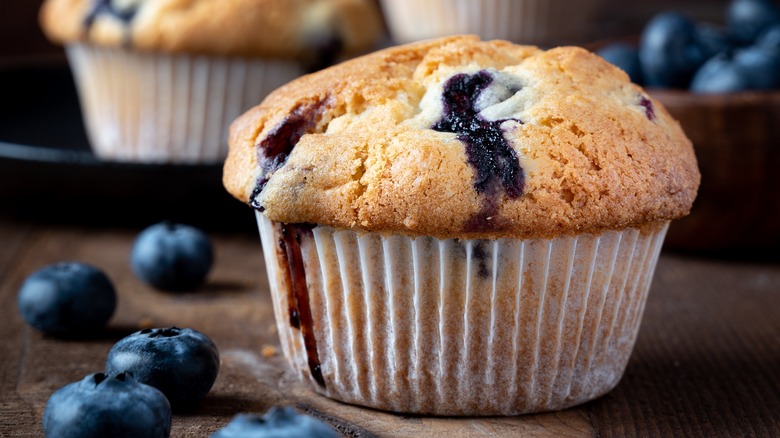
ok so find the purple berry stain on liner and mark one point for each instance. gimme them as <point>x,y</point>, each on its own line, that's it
<point>272,154</point>
<point>496,164</point>
<point>482,258</point>
<point>276,147</point>
<point>299,307</point>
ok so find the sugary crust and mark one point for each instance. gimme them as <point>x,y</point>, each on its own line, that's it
<point>598,153</point>
<point>264,28</point>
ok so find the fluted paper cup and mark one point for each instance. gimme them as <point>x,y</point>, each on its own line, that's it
<point>458,327</point>
<point>167,108</point>
<point>540,22</point>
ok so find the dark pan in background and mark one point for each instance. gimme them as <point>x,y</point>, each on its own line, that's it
<point>49,174</point>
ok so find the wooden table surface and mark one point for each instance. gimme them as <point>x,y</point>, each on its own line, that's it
<point>706,362</point>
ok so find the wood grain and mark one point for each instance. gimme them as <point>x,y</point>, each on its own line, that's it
<point>16,414</point>
<point>704,363</point>
<point>707,356</point>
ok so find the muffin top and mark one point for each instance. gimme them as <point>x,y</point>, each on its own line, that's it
<point>463,138</point>
<point>254,28</point>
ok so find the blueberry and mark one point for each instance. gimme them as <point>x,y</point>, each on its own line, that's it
<point>719,75</point>
<point>182,363</point>
<point>746,19</point>
<point>770,38</point>
<point>123,11</point>
<point>280,141</point>
<point>495,163</point>
<point>67,298</point>
<point>670,51</point>
<point>712,39</point>
<point>172,257</point>
<point>101,406</point>
<point>760,66</point>
<point>625,57</point>
<point>276,423</point>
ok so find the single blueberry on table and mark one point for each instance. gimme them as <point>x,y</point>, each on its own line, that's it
<point>276,423</point>
<point>172,257</point>
<point>670,51</point>
<point>746,19</point>
<point>67,298</point>
<point>182,363</point>
<point>107,406</point>
<point>625,57</point>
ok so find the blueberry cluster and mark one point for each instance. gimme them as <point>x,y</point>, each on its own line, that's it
<point>172,257</point>
<point>73,298</point>
<point>676,52</point>
<point>147,373</point>
<point>67,298</point>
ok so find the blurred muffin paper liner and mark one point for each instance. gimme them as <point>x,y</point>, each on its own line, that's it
<point>160,81</point>
<point>135,102</point>
<point>541,22</point>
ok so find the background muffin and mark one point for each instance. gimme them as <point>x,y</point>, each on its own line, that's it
<point>160,81</point>
<point>541,22</point>
<point>459,227</point>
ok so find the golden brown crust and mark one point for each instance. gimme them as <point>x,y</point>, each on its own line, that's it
<point>262,28</point>
<point>595,153</point>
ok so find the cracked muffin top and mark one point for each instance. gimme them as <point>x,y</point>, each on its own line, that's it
<point>463,138</point>
<point>255,28</point>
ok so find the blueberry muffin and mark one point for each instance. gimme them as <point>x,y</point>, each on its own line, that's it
<point>160,81</point>
<point>461,227</point>
<point>541,22</point>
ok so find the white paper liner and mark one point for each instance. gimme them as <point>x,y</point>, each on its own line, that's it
<point>521,21</point>
<point>168,108</point>
<point>466,327</point>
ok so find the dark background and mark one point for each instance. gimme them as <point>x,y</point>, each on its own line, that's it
<point>48,174</point>
<point>20,35</point>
